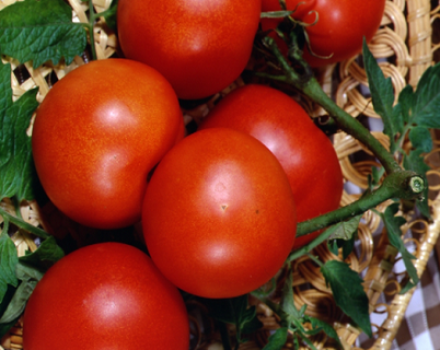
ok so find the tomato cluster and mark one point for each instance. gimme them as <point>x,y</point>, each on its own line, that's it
<point>219,207</point>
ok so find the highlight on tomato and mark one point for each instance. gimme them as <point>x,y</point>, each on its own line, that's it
<point>305,152</point>
<point>219,217</point>
<point>201,46</point>
<point>97,135</point>
<point>336,28</point>
<point>105,296</point>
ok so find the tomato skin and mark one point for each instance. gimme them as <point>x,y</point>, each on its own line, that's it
<point>105,296</point>
<point>218,216</point>
<point>304,151</point>
<point>200,46</point>
<point>340,28</point>
<point>98,133</point>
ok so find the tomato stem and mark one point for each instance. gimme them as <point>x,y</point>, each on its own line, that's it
<point>401,184</point>
<point>310,87</point>
<point>23,224</point>
<point>90,26</point>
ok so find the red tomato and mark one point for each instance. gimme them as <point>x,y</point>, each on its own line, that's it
<point>304,151</point>
<point>218,216</point>
<point>200,46</point>
<point>105,296</point>
<point>340,28</point>
<point>98,133</point>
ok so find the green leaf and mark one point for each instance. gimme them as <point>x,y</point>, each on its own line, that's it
<point>17,304</point>
<point>45,256</point>
<point>393,224</point>
<point>348,292</point>
<point>265,290</point>
<point>8,263</point>
<point>287,303</point>
<point>39,31</point>
<point>324,326</point>
<point>382,93</point>
<point>25,272</point>
<point>110,15</point>
<point>346,229</point>
<point>403,109</point>
<point>277,340</point>
<point>29,277</point>
<point>416,163</point>
<point>344,236</point>
<point>16,165</point>
<point>424,107</point>
<point>4,328</point>
<point>421,139</point>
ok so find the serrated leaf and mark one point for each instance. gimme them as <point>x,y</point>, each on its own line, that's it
<point>424,106</point>
<point>421,139</point>
<point>382,94</point>
<point>287,304</point>
<point>324,326</point>
<point>110,15</point>
<point>25,272</point>
<point>406,99</point>
<point>394,232</point>
<point>415,162</point>
<point>8,263</point>
<point>45,256</point>
<point>348,292</point>
<point>277,340</point>
<point>346,229</point>
<point>16,165</point>
<point>17,304</point>
<point>39,31</point>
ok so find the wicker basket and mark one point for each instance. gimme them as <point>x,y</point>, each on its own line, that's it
<point>404,42</point>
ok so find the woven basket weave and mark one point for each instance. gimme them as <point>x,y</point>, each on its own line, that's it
<point>405,48</point>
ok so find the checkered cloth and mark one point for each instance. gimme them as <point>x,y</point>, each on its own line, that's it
<point>420,328</point>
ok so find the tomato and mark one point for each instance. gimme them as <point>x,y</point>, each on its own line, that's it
<point>105,296</point>
<point>218,216</point>
<point>200,46</point>
<point>98,133</point>
<point>304,151</point>
<point>340,28</point>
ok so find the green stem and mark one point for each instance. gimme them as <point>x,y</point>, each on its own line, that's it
<point>90,26</point>
<point>315,259</point>
<point>24,225</point>
<point>16,204</point>
<point>351,125</point>
<point>310,246</point>
<point>401,184</point>
<point>308,85</point>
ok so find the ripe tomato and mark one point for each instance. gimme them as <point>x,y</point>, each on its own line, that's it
<point>105,296</point>
<point>98,133</point>
<point>340,28</point>
<point>199,46</point>
<point>304,151</point>
<point>218,216</point>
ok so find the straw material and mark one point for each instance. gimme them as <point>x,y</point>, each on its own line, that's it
<point>404,47</point>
